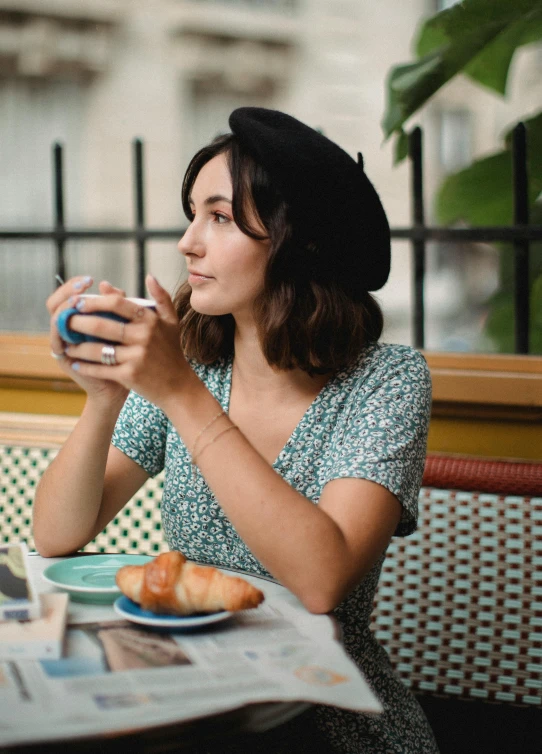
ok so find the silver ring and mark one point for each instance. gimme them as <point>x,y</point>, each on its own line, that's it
<point>58,356</point>
<point>108,356</point>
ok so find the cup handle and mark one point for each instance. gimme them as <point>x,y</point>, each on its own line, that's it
<point>63,327</point>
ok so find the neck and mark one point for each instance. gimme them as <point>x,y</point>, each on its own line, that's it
<point>256,376</point>
<point>249,357</point>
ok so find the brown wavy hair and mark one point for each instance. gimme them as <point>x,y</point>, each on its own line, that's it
<point>305,320</point>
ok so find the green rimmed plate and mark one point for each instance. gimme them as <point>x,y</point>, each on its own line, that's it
<point>91,578</point>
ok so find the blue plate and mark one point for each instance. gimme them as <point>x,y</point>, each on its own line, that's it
<point>132,611</point>
<point>91,578</point>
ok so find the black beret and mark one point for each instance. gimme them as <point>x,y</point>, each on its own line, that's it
<point>334,207</point>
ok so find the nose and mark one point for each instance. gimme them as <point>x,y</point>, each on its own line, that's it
<point>190,243</point>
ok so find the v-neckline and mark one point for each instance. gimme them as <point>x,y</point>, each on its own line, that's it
<point>297,429</point>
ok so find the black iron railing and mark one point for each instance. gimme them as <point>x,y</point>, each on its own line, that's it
<point>520,235</point>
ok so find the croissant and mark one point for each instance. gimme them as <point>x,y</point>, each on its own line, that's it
<point>173,585</point>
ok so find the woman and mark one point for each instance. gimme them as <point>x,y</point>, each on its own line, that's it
<point>293,442</point>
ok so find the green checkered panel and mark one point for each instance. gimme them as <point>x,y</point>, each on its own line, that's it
<point>459,603</point>
<point>137,528</point>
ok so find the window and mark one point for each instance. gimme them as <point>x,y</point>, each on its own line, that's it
<point>445,4</point>
<point>455,139</point>
<point>265,4</point>
<point>461,277</point>
<point>33,114</point>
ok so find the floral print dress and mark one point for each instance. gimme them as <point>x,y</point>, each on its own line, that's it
<point>370,422</point>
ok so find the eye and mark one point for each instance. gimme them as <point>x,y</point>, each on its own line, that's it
<point>220,218</point>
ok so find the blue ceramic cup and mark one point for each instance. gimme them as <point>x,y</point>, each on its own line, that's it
<point>73,337</point>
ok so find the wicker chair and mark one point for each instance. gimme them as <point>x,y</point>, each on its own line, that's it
<point>459,605</point>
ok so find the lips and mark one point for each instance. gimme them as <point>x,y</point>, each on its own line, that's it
<point>193,273</point>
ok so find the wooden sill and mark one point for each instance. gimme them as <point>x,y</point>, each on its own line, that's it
<point>35,430</point>
<point>486,386</point>
<point>481,386</point>
<point>28,357</point>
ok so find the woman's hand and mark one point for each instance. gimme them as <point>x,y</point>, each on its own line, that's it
<point>64,297</point>
<point>148,358</point>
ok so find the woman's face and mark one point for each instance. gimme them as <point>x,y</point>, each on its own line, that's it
<point>226,267</point>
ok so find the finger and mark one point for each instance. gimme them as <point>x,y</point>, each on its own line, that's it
<point>57,348</point>
<point>164,304</point>
<point>57,344</point>
<point>96,371</point>
<point>105,287</point>
<point>58,356</point>
<point>94,352</point>
<point>73,286</point>
<point>131,310</point>
<point>115,303</point>
<point>99,327</point>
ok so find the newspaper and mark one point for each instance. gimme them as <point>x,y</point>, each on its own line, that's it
<point>117,676</point>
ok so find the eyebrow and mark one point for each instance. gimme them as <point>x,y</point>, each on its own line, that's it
<point>212,199</point>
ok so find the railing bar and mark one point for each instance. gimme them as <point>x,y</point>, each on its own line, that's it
<point>59,235</point>
<point>140,217</point>
<point>479,233</point>
<point>427,233</point>
<point>521,247</point>
<point>109,235</point>
<point>418,245</point>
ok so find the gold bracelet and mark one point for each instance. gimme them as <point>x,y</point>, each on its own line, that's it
<point>205,428</point>
<point>222,432</point>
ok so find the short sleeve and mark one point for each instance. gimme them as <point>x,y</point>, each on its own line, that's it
<point>384,437</point>
<point>141,433</point>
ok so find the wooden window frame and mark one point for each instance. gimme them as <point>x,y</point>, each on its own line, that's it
<point>485,386</point>
<point>483,405</point>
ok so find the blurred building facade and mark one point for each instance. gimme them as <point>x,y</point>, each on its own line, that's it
<point>94,74</point>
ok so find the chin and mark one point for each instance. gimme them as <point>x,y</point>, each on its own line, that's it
<point>211,308</point>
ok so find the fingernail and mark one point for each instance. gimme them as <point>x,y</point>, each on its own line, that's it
<point>78,285</point>
<point>75,366</point>
<point>80,305</point>
<point>87,279</point>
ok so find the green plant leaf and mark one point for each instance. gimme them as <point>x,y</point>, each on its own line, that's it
<point>409,86</point>
<point>499,324</point>
<point>492,65</point>
<point>500,28</point>
<point>536,313</point>
<point>506,272</point>
<point>534,152</point>
<point>457,40</point>
<point>482,194</point>
<point>400,147</point>
<point>500,321</point>
<point>478,195</point>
